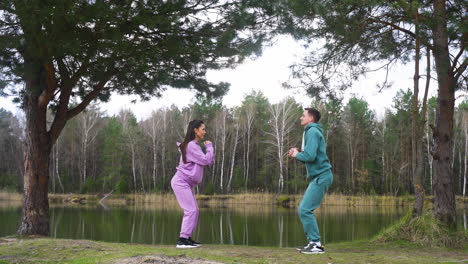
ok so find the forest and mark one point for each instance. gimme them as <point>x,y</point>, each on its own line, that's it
<point>98,153</point>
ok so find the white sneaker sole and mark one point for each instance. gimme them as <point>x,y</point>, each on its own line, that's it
<point>185,246</point>
<point>309,252</point>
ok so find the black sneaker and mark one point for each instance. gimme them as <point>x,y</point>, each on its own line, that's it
<point>185,243</point>
<point>193,241</point>
<point>303,247</point>
<point>312,248</point>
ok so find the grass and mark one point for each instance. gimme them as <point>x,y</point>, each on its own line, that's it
<point>47,250</point>
<point>424,230</point>
<point>419,240</point>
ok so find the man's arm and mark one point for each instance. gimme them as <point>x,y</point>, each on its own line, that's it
<point>310,152</point>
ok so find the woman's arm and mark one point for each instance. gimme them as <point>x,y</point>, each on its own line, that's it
<point>196,155</point>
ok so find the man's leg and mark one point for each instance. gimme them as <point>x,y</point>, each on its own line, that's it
<point>311,201</point>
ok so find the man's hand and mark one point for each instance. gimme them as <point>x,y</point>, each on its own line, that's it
<point>293,152</point>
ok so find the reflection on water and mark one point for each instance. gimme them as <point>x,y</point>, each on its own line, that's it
<point>242,225</point>
<point>464,219</point>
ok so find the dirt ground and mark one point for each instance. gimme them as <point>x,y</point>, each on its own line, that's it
<point>161,259</point>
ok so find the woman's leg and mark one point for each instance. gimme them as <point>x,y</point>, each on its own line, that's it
<point>197,212</point>
<point>188,203</point>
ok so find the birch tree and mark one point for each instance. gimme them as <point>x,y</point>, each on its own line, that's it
<point>235,140</point>
<point>249,116</point>
<point>151,127</point>
<point>221,127</point>
<point>87,132</point>
<point>464,108</point>
<point>129,126</point>
<point>282,122</point>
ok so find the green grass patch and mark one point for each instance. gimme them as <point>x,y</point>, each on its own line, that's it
<point>47,250</point>
<point>424,230</point>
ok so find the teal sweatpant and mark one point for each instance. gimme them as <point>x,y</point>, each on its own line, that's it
<point>310,201</point>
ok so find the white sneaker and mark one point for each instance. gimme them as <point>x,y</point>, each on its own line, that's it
<point>303,247</point>
<point>312,248</point>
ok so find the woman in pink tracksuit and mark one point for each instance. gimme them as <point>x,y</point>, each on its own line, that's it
<point>189,174</point>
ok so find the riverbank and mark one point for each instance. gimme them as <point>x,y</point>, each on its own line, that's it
<point>48,250</point>
<point>229,199</point>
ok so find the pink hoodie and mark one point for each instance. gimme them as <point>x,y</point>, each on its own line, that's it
<point>192,171</point>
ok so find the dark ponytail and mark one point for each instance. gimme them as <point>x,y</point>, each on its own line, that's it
<point>189,137</point>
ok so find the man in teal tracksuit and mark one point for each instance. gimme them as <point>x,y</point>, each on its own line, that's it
<point>319,175</point>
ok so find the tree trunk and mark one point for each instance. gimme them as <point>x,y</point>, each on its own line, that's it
<point>163,152</point>
<point>140,166</point>
<point>460,165</point>
<point>151,132</point>
<point>57,173</point>
<point>52,172</point>
<point>247,159</point>
<point>155,164</point>
<point>236,139</point>
<point>425,115</point>
<point>244,156</point>
<point>444,195</point>
<point>466,152</point>
<point>87,121</point>
<point>132,147</point>
<point>223,144</point>
<point>431,159</point>
<point>465,130</point>
<point>84,150</point>
<point>384,178</point>
<point>421,122</point>
<point>35,220</point>
<point>214,167</point>
<point>250,118</point>
<point>415,141</point>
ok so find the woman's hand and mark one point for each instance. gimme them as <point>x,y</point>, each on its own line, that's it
<point>207,142</point>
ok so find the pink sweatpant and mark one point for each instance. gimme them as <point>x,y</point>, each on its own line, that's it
<point>186,198</point>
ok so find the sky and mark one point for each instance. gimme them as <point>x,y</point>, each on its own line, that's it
<point>266,74</point>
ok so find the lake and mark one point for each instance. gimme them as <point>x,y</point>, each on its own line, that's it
<point>240,225</point>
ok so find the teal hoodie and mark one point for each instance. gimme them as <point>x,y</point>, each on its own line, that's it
<point>314,153</point>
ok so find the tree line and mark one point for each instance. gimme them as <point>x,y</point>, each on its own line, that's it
<point>56,58</point>
<point>99,153</point>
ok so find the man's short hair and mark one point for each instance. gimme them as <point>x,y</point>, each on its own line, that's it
<point>313,112</point>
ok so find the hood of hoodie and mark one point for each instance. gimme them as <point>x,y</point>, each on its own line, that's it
<point>315,125</point>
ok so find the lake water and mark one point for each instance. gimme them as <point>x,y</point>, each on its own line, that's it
<point>243,225</point>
